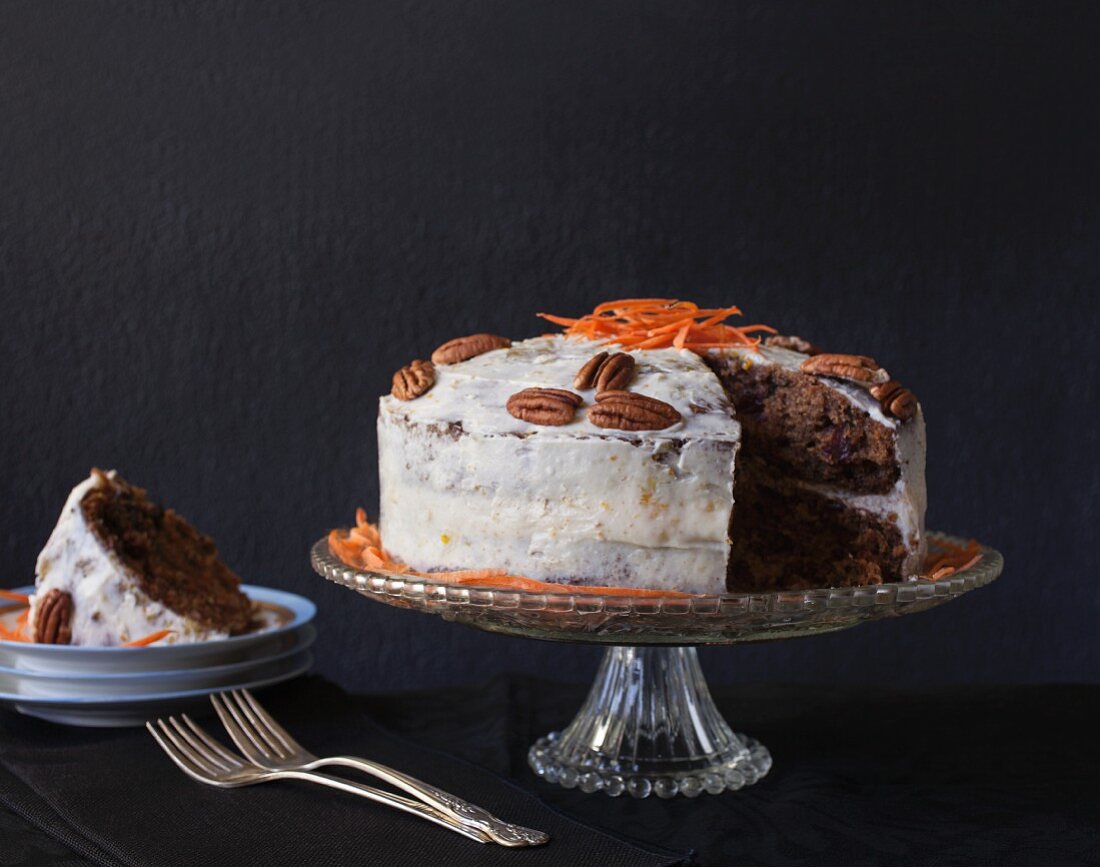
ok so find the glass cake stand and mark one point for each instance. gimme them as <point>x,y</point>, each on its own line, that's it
<point>649,724</point>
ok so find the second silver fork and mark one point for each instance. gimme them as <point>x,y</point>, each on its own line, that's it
<point>265,742</point>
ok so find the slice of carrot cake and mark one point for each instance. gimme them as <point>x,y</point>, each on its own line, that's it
<point>118,568</point>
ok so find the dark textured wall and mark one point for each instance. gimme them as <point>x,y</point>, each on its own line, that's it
<point>224,224</point>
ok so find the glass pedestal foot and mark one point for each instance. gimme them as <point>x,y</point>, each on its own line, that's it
<point>649,727</point>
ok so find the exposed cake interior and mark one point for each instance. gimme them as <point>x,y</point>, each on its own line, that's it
<point>175,564</point>
<point>785,535</point>
<point>819,493</point>
<point>805,430</point>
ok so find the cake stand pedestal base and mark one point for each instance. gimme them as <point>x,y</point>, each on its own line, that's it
<point>649,727</point>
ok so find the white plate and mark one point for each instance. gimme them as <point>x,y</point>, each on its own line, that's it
<point>18,688</point>
<point>136,710</point>
<point>16,682</point>
<point>290,611</point>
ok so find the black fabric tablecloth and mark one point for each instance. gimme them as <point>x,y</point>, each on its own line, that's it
<point>1000,774</point>
<point>115,798</point>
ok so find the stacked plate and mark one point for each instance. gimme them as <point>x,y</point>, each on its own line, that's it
<point>112,686</point>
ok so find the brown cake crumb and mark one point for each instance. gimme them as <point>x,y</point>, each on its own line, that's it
<point>785,537</point>
<point>175,564</point>
<point>804,428</point>
<point>797,429</point>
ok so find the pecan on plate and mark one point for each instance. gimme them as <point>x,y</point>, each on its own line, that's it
<point>628,410</point>
<point>545,406</point>
<point>857,368</point>
<point>792,342</point>
<point>53,620</point>
<point>465,348</point>
<point>895,399</point>
<point>413,380</point>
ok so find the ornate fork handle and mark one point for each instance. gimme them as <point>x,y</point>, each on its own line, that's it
<point>503,833</point>
<point>416,808</point>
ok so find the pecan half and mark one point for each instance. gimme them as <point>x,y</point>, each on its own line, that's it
<point>606,372</point>
<point>792,342</point>
<point>615,373</point>
<point>895,399</point>
<point>413,380</point>
<point>858,368</point>
<point>53,620</point>
<point>586,376</point>
<point>545,406</point>
<point>465,348</point>
<point>628,410</point>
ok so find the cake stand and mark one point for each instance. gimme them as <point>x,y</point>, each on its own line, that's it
<point>649,724</point>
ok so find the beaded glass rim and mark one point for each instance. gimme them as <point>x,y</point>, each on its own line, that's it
<point>611,619</point>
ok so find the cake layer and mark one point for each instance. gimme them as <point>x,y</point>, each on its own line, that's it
<point>464,484</point>
<point>788,536</point>
<point>818,430</point>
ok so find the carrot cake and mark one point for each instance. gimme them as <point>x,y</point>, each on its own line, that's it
<point>119,568</point>
<point>652,445</point>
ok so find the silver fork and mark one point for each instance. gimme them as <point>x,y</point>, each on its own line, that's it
<point>268,745</point>
<point>202,758</point>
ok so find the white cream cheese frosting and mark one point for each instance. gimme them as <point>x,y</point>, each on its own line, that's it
<point>109,607</point>
<point>464,484</point>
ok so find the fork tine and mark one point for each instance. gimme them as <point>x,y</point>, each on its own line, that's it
<point>257,728</point>
<point>199,747</point>
<point>242,737</point>
<point>196,758</point>
<point>177,758</point>
<point>182,760</point>
<point>212,744</point>
<point>268,721</point>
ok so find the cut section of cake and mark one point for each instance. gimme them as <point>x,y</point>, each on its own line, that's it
<point>830,487</point>
<point>119,568</point>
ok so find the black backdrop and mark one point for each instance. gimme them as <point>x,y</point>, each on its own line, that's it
<point>224,224</point>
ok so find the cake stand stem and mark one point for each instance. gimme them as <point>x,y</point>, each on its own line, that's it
<point>649,726</point>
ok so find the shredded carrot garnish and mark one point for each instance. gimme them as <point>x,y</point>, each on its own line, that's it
<point>657,323</point>
<point>491,577</point>
<point>148,639</point>
<point>485,578</point>
<point>21,631</point>
<point>951,558</point>
<point>13,634</point>
<point>361,548</point>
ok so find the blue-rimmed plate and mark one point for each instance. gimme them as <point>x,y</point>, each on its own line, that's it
<point>135,710</point>
<point>284,615</point>
<point>16,681</point>
<point>119,686</point>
